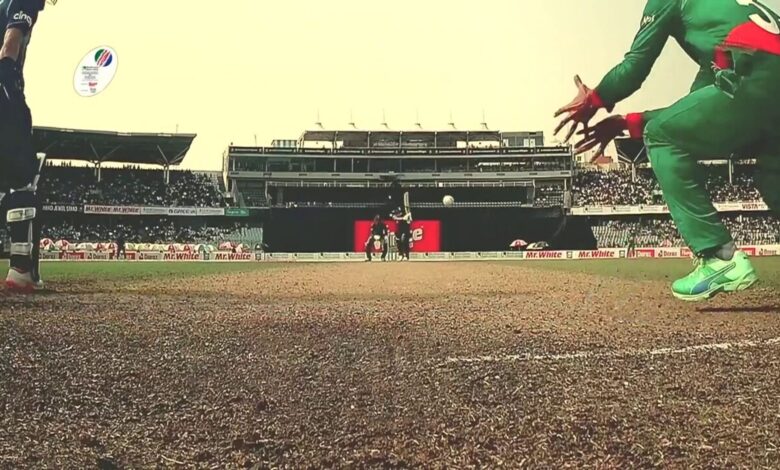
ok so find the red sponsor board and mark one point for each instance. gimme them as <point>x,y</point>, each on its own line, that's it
<point>74,255</point>
<point>598,254</point>
<point>668,253</point>
<point>544,254</point>
<point>426,235</point>
<point>643,253</point>
<point>181,257</point>
<point>227,256</point>
<point>750,250</point>
<point>769,251</point>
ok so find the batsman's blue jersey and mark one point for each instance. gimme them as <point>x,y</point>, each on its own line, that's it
<point>20,14</point>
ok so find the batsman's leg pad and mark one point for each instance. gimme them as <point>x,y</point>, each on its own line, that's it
<point>23,211</point>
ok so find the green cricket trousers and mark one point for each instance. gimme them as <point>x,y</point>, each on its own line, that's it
<point>739,114</point>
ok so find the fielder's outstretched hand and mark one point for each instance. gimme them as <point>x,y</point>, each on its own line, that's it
<point>601,134</point>
<point>580,111</point>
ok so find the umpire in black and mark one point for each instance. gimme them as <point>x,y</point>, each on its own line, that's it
<point>19,167</point>
<point>378,229</point>
<point>121,248</point>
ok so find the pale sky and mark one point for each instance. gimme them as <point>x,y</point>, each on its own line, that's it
<point>233,69</point>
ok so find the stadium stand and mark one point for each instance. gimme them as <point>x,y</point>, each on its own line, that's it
<point>727,182</point>
<point>661,231</point>
<point>161,206</point>
<point>358,177</point>
<point>742,189</point>
<point>608,188</point>
<point>549,196</point>
<point>96,229</point>
<point>129,186</point>
<point>622,187</point>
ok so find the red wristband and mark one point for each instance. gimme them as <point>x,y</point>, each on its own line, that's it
<point>595,100</point>
<point>636,125</point>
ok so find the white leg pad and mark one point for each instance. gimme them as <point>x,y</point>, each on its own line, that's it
<point>22,214</point>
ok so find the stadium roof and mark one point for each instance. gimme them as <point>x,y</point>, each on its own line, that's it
<point>365,138</point>
<point>117,147</point>
<point>631,151</point>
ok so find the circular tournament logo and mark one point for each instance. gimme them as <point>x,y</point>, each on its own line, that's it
<point>95,71</point>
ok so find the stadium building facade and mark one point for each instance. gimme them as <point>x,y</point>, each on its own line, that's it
<point>506,186</point>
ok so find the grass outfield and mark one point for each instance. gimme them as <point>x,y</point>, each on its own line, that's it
<point>653,269</point>
<point>67,271</point>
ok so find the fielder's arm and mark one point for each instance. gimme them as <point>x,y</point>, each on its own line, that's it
<point>658,22</point>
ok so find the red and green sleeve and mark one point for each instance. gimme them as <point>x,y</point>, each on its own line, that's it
<point>659,20</point>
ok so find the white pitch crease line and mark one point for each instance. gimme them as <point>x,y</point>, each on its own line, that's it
<point>612,354</point>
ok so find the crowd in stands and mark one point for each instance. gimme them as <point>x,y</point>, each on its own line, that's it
<point>613,188</point>
<point>549,196</point>
<point>128,186</point>
<point>657,231</point>
<point>142,230</point>
<point>754,230</point>
<point>743,188</point>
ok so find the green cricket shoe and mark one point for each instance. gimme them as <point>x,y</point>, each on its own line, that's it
<point>713,276</point>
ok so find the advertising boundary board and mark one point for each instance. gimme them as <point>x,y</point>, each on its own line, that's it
<point>531,256</point>
<point>145,256</point>
<point>90,209</point>
<point>648,209</point>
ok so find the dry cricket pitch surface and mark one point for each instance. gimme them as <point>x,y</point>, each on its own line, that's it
<point>434,365</point>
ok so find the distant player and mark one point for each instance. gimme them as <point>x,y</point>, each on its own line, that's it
<point>631,248</point>
<point>19,167</point>
<point>733,108</point>
<point>403,232</point>
<point>121,250</point>
<point>379,233</point>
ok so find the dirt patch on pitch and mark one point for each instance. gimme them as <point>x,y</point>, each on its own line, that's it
<point>347,365</point>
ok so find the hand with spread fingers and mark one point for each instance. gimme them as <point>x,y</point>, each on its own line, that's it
<point>601,134</point>
<point>581,110</point>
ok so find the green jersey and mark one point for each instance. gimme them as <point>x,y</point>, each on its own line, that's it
<point>704,29</point>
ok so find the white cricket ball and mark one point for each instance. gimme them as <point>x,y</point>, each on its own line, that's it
<point>448,200</point>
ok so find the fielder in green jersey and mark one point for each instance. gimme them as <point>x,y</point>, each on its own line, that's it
<point>733,107</point>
